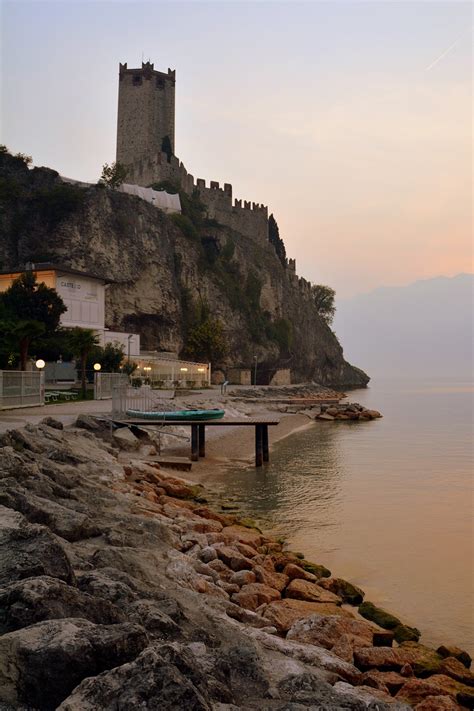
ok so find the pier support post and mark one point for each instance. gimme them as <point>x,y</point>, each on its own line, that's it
<point>194,443</point>
<point>202,440</point>
<point>258,446</point>
<point>266,455</point>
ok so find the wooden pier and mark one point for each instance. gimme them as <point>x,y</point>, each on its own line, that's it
<point>198,432</point>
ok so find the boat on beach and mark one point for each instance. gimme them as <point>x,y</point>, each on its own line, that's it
<point>177,415</point>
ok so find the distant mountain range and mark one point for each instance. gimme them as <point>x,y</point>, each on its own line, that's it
<point>425,328</point>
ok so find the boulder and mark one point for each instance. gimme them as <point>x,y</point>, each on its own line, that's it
<point>456,670</point>
<point>86,422</point>
<point>43,663</point>
<point>26,602</point>
<point>332,632</point>
<point>304,590</point>
<point>278,581</point>
<point>402,633</point>
<point>325,417</point>
<point>250,536</point>
<point>293,572</point>
<point>125,439</point>
<point>347,591</point>
<point>28,550</point>
<point>370,697</point>
<point>387,681</point>
<point>415,690</point>
<point>233,559</point>
<point>282,614</point>
<point>207,554</point>
<point>149,682</point>
<point>253,595</point>
<point>52,422</point>
<point>422,660</point>
<point>243,577</point>
<point>456,652</point>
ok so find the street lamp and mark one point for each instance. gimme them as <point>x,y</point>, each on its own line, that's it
<point>40,364</point>
<point>97,367</point>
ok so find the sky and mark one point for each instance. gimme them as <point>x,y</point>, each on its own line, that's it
<point>351,120</point>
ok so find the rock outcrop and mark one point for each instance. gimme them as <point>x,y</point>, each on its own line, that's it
<point>158,273</point>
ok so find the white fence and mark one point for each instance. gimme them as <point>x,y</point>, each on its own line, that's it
<point>21,389</point>
<point>125,397</point>
<point>105,382</point>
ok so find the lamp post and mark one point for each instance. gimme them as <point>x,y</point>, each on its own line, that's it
<point>129,337</point>
<point>97,382</point>
<point>40,364</point>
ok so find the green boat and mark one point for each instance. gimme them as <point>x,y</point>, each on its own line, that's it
<point>178,415</point>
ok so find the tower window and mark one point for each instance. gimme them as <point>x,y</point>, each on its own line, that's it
<point>160,83</point>
<point>137,80</point>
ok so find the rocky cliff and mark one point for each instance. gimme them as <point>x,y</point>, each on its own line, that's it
<point>160,270</point>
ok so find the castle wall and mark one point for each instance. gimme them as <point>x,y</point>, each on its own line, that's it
<point>250,219</point>
<point>146,110</point>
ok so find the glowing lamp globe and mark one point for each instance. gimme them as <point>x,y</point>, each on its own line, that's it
<point>97,366</point>
<point>40,364</point>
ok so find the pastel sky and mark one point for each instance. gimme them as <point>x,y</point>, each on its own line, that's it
<point>351,120</point>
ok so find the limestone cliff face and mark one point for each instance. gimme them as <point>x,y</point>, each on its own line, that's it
<point>157,273</point>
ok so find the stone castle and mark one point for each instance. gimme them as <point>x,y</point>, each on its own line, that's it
<point>146,146</point>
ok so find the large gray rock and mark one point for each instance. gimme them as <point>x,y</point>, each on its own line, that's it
<point>149,682</point>
<point>125,439</point>
<point>28,550</point>
<point>26,602</point>
<point>43,663</point>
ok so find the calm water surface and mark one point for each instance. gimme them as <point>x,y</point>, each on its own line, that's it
<point>387,504</point>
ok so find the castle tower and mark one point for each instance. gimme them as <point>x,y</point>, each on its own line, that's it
<point>145,111</point>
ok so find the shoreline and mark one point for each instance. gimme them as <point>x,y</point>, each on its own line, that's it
<point>119,550</point>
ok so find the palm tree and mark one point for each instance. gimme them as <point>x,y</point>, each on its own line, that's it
<point>81,341</point>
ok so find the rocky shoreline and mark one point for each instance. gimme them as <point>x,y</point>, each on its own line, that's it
<point>121,588</point>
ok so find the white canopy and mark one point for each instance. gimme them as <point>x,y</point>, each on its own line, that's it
<point>159,198</point>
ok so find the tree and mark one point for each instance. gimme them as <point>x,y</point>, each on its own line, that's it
<point>110,357</point>
<point>29,310</point>
<point>113,175</point>
<point>275,239</point>
<point>81,342</point>
<point>323,297</point>
<point>207,341</point>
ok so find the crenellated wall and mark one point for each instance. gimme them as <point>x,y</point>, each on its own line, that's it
<point>248,218</point>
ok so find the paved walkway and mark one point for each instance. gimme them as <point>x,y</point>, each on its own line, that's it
<point>66,412</point>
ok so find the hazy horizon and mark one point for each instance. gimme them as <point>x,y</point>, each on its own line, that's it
<point>351,121</point>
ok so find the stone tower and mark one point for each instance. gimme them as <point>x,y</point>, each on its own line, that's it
<point>145,112</point>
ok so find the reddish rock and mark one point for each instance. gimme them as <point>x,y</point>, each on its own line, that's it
<point>281,560</point>
<point>456,652</point>
<point>204,512</point>
<point>247,551</point>
<point>265,561</point>
<point>303,590</point>
<point>424,661</point>
<point>454,668</point>
<point>415,690</point>
<point>278,581</point>
<point>282,614</point>
<point>233,559</point>
<point>339,634</point>
<point>265,593</point>
<point>347,591</point>
<point>205,526</point>
<point>247,600</point>
<point>294,572</point>
<point>390,681</point>
<point>250,536</point>
<point>243,577</point>
<point>438,703</point>
<point>176,488</point>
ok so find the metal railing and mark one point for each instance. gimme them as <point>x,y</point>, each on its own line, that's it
<point>144,399</point>
<point>21,389</point>
<point>105,382</point>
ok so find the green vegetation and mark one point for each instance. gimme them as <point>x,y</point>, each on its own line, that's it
<point>323,297</point>
<point>110,358</point>
<point>28,310</point>
<point>81,342</point>
<point>54,204</point>
<point>113,175</point>
<point>275,239</point>
<point>206,339</point>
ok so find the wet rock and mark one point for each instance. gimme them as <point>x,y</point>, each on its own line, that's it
<point>284,613</point>
<point>28,550</point>
<point>148,682</point>
<point>26,602</point>
<point>331,632</point>
<point>383,639</point>
<point>303,590</point>
<point>43,663</point>
<point>52,422</point>
<point>402,633</point>
<point>250,536</point>
<point>320,571</point>
<point>454,668</point>
<point>253,595</point>
<point>456,652</point>
<point>347,591</point>
<point>422,660</point>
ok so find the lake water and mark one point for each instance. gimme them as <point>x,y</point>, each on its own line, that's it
<point>386,504</point>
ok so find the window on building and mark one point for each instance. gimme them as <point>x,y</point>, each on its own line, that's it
<point>160,83</point>
<point>137,80</point>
